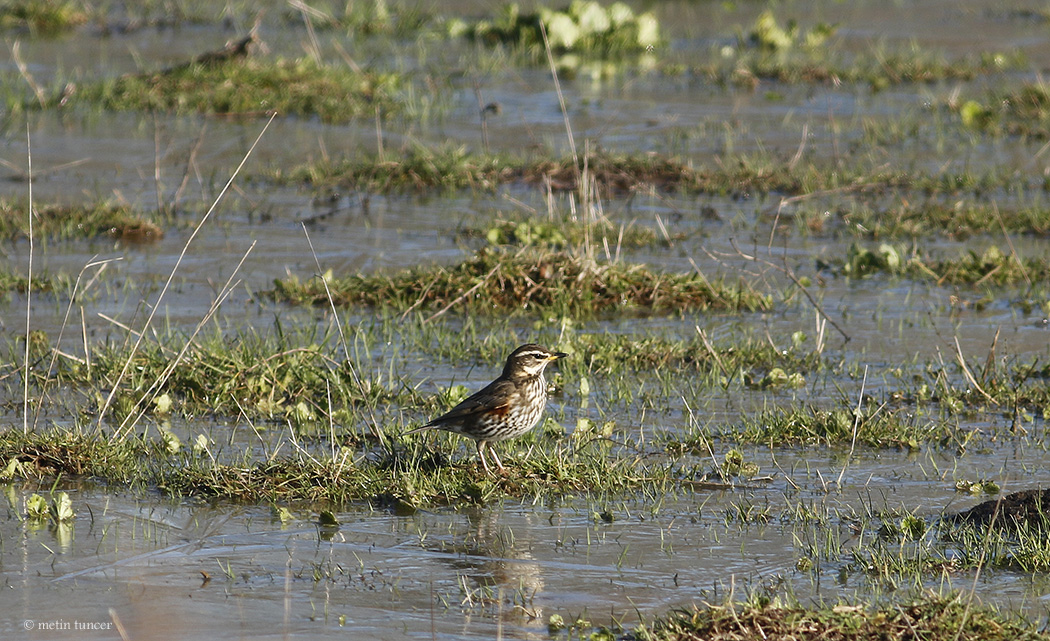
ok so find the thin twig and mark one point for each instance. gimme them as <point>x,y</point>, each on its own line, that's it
<point>41,96</point>
<point>856,428</point>
<point>561,100</point>
<point>787,271</point>
<point>374,426</point>
<point>1010,244</point>
<point>462,296</point>
<point>969,375</point>
<point>711,350</point>
<point>154,389</point>
<point>29,288</point>
<point>174,269</point>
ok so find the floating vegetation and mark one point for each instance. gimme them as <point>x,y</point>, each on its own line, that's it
<point>41,17</point>
<point>991,266</point>
<point>77,221</point>
<point>229,82</point>
<point>585,27</point>
<point>767,34</point>
<point>1024,112</point>
<point>545,282</point>
<point>788,54</point>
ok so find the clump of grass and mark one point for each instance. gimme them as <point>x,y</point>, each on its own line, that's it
<point>417,168</point>
<point>42,282</point>
<point>972,268</point>
<point>412,473</point>
<point>814,426</point>
<point>918,218</point>
<point>74,453</point>
<point>456,167</point>
<point>41,17</point>
<point>1018,390</point>
<point>565,233</point>
<point>77,221</point>
<point>248,87</point>
<point>607,353</point>
<point>527,281</point>
<point>932,617</point>
<point>1024,111</point>
<point>584,27</point>
<point>247,375</point>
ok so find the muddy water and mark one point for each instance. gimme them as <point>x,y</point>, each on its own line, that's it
<point>503,570</point>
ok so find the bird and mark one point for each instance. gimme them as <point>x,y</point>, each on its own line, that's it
<point>506,408</point>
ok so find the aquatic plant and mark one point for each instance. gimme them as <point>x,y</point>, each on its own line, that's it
<point>584,27</point>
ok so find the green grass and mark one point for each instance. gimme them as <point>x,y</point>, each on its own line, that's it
<point>258,378</point>
<point>41,17</point>
<point>584,27</point>
<point>920,217</point>
<point>12,282</point>
<point>991,266</point>
<point>527,282</point>
<point>929,617</point>
<point>813,426</point>
<point>1019,111</point>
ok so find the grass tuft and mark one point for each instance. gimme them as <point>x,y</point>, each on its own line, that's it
<point>932,617</point>
<point>247,88</point>
<point>529,281</point>
<point>77,221</point>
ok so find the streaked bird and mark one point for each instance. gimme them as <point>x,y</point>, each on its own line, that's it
<point>506,408</point>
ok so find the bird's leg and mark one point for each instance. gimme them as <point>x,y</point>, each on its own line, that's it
<point>499,463</point>
<point>481,454</point>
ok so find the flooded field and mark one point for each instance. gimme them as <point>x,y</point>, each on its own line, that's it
<point>868,214</point>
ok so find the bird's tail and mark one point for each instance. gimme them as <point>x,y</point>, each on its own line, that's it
<point>421,428</point>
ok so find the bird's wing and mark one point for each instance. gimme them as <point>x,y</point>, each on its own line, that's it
<point>495,397</point>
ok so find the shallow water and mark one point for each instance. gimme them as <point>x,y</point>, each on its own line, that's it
<point>471,572</point>
<point>502,570</point>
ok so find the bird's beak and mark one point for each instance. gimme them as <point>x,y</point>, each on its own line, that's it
<point>556,355</point>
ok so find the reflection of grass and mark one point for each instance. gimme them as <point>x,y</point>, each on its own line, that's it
<point>251,87</point>
<point>77,221</point>
<point>546,282</point>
